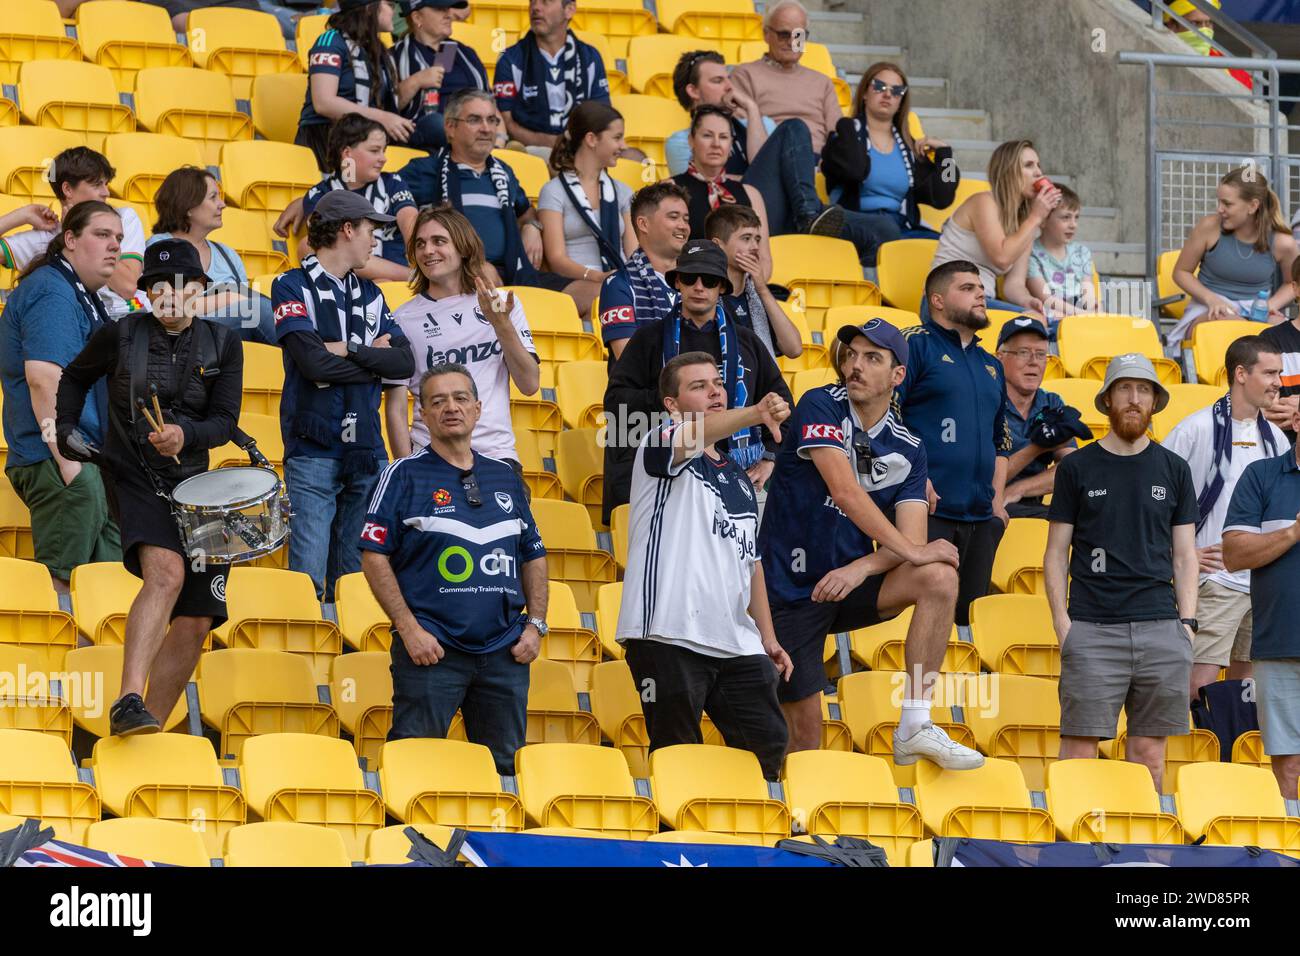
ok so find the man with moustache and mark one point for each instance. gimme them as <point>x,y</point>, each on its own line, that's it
<point>1128,509</point>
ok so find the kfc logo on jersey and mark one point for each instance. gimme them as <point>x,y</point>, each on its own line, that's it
<point>325,59</point>
<point>823,432</point>
<point>374,532</point>
<point>619,315</point>
<point>290,310</point>
<point>504,90</point>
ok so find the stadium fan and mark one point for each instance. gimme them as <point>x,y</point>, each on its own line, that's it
<point>1123,523</point>
<point>178,10</point>
<point>954,399</point>
<point>1286,336</point>
<point>776,160</point>
<point>465,638</point>
<point>832,559</point>
<point>78,175</point>
<point>471,180</point>
<point>585,213</point>
<point>1060,267</point>
<point>1043,430</point>
<point>340,343</point>
<point>180,599</point>
<point>431,66</point>
<point>739,233</point>
<point>638,293</point>
<point>698,322</point>
<point>547,73</point>
<point>190,206</point>
<point>350,71</point>
<point>996,228</point>
<point>1240,250</point>
<point>1201,33</point>
<point>46,322</point>
<point>1218,444</point>
<point>496,346</point>
<point>696,627</point>
<point>289,12</point>
<point>879,173</point>
<point>780,85</point>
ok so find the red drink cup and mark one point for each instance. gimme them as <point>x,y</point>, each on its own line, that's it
<point>1042,183</point>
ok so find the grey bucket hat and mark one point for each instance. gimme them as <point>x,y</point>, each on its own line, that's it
<point>1132,365</point>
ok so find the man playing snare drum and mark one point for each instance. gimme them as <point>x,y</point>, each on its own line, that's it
<point>195,370</point>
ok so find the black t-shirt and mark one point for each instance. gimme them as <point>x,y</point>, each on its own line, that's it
<point>1287,338</point>
<point>1123,509</point>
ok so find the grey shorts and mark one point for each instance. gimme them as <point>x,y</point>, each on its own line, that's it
<point>1143,667</point>
<point>1277,701</point>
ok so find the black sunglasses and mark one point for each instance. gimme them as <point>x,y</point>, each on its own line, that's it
<point>470,484</point>
<point>879,86</point>
<point>862,452</point>
<point>689,279</point>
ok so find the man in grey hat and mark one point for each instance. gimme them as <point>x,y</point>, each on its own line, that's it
<point>341,343</point>
<point>1128,509</point>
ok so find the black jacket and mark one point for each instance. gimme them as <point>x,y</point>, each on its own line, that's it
<point>634,388</point>
<point>846,164</point>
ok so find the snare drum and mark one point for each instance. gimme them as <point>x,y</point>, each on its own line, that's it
<point>232,514</point>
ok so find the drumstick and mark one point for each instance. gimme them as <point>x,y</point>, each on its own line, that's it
<point>157,410</point>
<point>157,427</point>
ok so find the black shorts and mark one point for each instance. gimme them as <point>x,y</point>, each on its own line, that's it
<point>802,628</point>
<point>542,280</point>
<point>145,518</point>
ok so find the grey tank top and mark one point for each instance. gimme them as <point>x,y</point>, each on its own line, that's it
<point>958,243</point>
<point>1237,270</point>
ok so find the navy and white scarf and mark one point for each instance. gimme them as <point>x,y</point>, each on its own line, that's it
<point>651,299</point>
<point>376,194</point>
<point>411,56</point>
<point>746,446</point>
<point>1222,414</point>
<point>535,113</point>
<point>516,261</point>
<point>364,91</point>
<point>608,232</point>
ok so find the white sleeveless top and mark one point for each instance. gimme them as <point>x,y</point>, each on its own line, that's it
<point>958,243</point>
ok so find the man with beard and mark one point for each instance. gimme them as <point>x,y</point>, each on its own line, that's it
<point>954,399</point>
<point>1128,509</point>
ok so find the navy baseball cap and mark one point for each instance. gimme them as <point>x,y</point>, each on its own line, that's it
<point>410,5</point>
<point>877,332</point>
<point>1022,323</point>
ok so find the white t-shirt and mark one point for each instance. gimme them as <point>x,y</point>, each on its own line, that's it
<point>454,330</point>
<point>1193,440</point>
<point>27,245</point>
<point>692,547</point>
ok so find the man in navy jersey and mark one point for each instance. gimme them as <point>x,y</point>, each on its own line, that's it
<point>852,476</point>
<point>451,551</point>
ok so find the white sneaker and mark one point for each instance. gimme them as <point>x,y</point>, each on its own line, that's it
<point>934,744</point>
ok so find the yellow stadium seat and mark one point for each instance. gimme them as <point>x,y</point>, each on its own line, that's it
<point>306,778</point>
<point>361,689</point>
<point>650,64</point>
<point>274,609</point>
<point>531,171</point>
<point>448,782</point>
<point>618,521</point>
<point>1209,345</point>
<point>1015,717</point>
<point>542,483</point>
<point>15,525</point>
<point>128,37</point>
<point>704,836</point>
<point>158,841</point>
<point>1112,801</point>
<point>618,81</point>
<point>79,97</point>
<point>508,16</point>
<point>362,621</point>
<point>609,599</point>
<point>616,703</point>
<point>263,374</point>
<point>8,112</point>
<point>831,793</point>
<point>195,104</point>
<point>813,355</point>
<point>1183,400</point>
<point>1088,342</point>
<point>636,175</point>
<point>649,119</point>
<point>396,293</point>
<point>1198,745</point>
<point>1014,635</point>
<point>553,714</point>
<point>265,177</point>
<point>39,780</point>
<point>869,705</point>
<point>580,461</point>
<point>557,329</point>
<point>1018,563</point>
<point>725,23</point>
<point>816,56</point>
<point>245,692</point>
<point>101,666</point>
<point>581,390</point>
<point>306,31</point>
<point>1080,393</point>
<point>1249,749</point>
<point>921,853</point>
<point>26,153</point>
<point>935,218</point>
<point>242,44</point>
<point>901,268</point>
<point>27,699</point>
<point>285,844</point>
<point>572,555</point>
<point>812,378</point>
<point>29,612</point>
<point>277,100</point>
<point>32,30</point>
<point>1166,286</point>
<point>820,273</point>
<point>836,735</point>
<point>391,846</point>
<point>988,803</point>
<point>842,315</point>
<point>173,777</point>
<point>143,160</point>
<point>246,233</point>
<point>568,641</point>
<point>582,786</point>
<point>881,647</point>
<point>539,418</point>
<point>618,21</point>
<point>717,789</point>
<point>1235,805</point>
<point>477,37</point>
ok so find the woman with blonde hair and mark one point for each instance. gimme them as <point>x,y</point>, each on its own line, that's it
<point>996,229</point>
<point>1242,249</point>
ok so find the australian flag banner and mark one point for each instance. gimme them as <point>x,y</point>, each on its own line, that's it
<point>516,849</point>
<point>964,852</point>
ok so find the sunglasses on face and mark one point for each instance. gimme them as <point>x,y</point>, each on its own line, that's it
<point>880,86</point>
<point>785,36</point>
<point>470,484</point>
<point>688,280</point>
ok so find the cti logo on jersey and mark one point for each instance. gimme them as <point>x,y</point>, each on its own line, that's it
<point>823,431</point>
<point>374,532</point>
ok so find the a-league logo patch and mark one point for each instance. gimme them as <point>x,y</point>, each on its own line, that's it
<point>442,497</point>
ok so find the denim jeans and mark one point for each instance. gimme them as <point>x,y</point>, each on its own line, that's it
<point>253,317</point>
<point>870,230</point>
<point>783,173</point>
<point>490,690</point>
<point>327,518</point>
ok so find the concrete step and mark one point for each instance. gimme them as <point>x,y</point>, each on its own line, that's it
<point>857,57</point>
<point>1126,259</point>
<point>1100,224</point>
<point>927,91</point>
<point>950,124</point>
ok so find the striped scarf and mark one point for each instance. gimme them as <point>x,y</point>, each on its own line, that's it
<point>651,299</point>
<point>1222,413</point>
<point>376,194</point>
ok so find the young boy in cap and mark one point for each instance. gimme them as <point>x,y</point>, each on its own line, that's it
<point>340,343</point>
<point>1127,508</point>
<point>843,542</point>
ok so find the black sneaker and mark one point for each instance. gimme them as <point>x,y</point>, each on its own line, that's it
<point>829,222</point>
<point>128,717</point>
